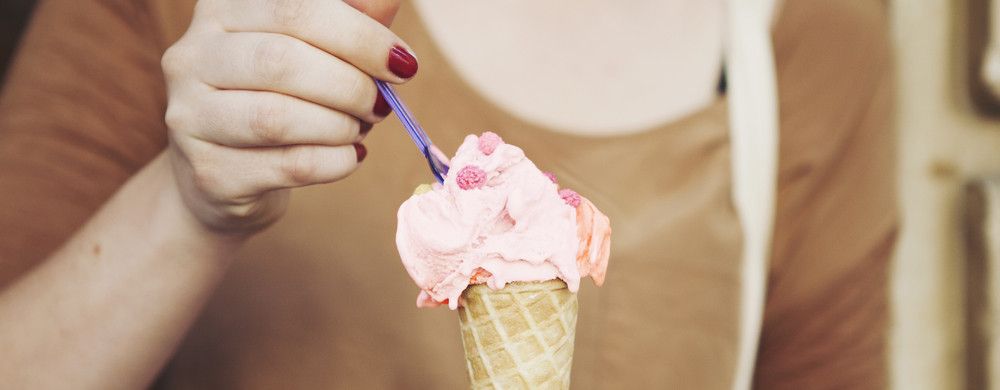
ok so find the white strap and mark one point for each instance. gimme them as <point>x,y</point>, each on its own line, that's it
<point>753,117</point>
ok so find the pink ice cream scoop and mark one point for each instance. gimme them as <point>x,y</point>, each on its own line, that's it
<point>498,219</point>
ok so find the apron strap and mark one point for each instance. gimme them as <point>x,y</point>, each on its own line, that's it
<point>753,117</point>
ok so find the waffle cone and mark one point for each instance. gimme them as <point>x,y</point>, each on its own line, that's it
<point>519,337</point>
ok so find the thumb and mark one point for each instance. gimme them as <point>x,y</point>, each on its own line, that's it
<point>382,11</point>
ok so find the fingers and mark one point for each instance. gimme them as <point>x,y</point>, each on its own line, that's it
<point>279,63</point>
<point>266,95</point>
<point>333,26</point>
<point>253,119</point>
<point>234,174</point>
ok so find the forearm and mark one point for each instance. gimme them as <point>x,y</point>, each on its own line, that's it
<point>108,308</point>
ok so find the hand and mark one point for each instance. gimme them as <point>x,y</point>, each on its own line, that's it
<point>267,95</point>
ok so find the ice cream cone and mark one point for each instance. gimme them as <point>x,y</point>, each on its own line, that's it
<point>520,336</point>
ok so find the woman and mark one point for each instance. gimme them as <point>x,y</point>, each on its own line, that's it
<point>119,229</point>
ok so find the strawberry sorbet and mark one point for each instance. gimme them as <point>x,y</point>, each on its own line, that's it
<point>498,219</point>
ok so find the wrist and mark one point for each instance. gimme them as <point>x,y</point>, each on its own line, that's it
<point>230,218</point>
<point>181,228</point>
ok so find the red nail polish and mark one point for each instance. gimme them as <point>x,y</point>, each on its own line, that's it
<point>402,63</point>
<point>365,128</point>
<point>382,107</point>
<point>361,151</point>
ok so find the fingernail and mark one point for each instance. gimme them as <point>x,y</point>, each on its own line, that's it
<point>381,106</point>
<point>365,128</point>
<point>361,151</point>
<point>402,63</point>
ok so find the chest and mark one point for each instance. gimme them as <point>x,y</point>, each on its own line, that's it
<point>583,67</point>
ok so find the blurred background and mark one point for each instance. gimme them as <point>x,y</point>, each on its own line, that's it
<point>13,16</point>
<point>946,284</point>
